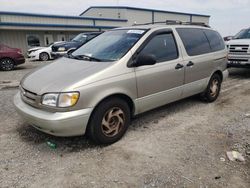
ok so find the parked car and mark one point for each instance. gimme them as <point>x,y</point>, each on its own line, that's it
<point>61,49</point>
<point>41,53</point>
<point>119,74</point>
<point>239,50</point>
<point>228,38</point>
<point>10,57</point>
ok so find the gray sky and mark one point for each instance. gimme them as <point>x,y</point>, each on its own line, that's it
<point>227,16</point>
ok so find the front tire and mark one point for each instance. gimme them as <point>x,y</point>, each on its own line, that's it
<point>7,64</point>
<point>109,121</point>
<point>213,89</point>
<point>44,56</point>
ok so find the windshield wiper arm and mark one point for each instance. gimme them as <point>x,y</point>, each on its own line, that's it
<point>85,57</point>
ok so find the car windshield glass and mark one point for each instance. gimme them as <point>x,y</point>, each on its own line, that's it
<point>111,45</point>
<point>80,38</point>
<point>50,44</point>
<point>243,34</point>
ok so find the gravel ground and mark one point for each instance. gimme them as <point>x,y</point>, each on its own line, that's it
<point>183,144</point>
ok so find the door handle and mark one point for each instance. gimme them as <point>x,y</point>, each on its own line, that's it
<point>179,66</point>
<point>190,64</point>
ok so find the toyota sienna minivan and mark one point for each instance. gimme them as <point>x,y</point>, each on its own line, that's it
<point>119,74</point>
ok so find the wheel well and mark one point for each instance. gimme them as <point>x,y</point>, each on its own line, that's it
<point>44,53</point>
<point>124,97</point>
<point>219,73</point>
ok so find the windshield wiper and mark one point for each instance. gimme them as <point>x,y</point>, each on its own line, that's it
<point>84,57</point>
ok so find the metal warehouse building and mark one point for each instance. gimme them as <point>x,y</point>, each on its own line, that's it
<point>25,30</point>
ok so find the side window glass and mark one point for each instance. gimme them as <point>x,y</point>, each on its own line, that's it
<point>163,47</point>
<point>194,40</point>
<point>215,40</point>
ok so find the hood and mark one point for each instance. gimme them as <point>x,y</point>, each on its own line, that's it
<point>9,49</point>
<point>36,48</point>
<point>239,42</point>
<point>62,74</point>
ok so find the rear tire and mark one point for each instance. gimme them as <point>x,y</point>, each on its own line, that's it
<point>109,121</point>
<point>44,56</point>
<point>7,64</point>
<point>213,89</point>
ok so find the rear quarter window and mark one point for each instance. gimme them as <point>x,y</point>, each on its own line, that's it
<point>215,40</point>
<point>194,40</point>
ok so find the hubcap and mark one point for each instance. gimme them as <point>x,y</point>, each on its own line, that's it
<point>44,57</point>
<point>113,122</point>
<point>7,64</point>
<point>214,87</point>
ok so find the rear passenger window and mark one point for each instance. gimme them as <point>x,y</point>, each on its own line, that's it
<point>163,47</point>
<point>194,40</point>
<point>215,40</point>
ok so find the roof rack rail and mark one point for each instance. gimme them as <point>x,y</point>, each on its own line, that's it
<point>175,22</point>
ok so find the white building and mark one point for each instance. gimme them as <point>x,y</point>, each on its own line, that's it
<point>24,30</point>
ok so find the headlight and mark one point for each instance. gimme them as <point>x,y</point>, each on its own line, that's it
<point>50,99</point>
<point>68,99</point>
<point>61,49</point>
<point>60,100</point>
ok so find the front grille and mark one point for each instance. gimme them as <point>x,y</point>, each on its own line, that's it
<point>238,49</point>
<point>29,97</point>
<point>232,59</point>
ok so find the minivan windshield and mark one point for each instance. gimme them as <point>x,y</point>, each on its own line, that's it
<point>243,34</point>
<point>109,46</point>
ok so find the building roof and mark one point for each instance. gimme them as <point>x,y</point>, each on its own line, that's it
<point>59,16</point>
<point>142,9</point>
<point>37,24</point>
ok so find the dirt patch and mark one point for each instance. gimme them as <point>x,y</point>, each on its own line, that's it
<point>247,92</point>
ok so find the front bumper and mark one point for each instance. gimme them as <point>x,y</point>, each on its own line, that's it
<point>33,57</point>
<point>238,60</point>
<point>20,60</point>
<point>71,123</point>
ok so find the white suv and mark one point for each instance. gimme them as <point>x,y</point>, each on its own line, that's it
<point>239,49</point>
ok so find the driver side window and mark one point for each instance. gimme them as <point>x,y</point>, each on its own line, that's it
<point>163,47</point>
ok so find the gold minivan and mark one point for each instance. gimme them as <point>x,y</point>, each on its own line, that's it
<point>122,73</point>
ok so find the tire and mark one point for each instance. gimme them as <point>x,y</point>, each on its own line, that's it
<point>7,64</point>
<point>109,121</point>
<point>44,56</point>
<point>213,89</point>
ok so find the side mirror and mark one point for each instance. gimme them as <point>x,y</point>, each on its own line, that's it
<point>145,59</point>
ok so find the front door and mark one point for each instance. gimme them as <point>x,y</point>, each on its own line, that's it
<point>161,83</point>
<point>48,39</point>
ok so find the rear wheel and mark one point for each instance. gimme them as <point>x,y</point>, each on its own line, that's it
<point>7,64</point>
<point>44,56</point>
<point>109,121</point>
<point>213,89</point>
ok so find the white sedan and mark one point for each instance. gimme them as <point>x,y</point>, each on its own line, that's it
<point>41,53</point>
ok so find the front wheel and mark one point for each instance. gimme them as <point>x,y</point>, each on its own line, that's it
<point>7,64</point>
<point>44,56</point>
<point>213,89</point>
<point>109,121</point>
